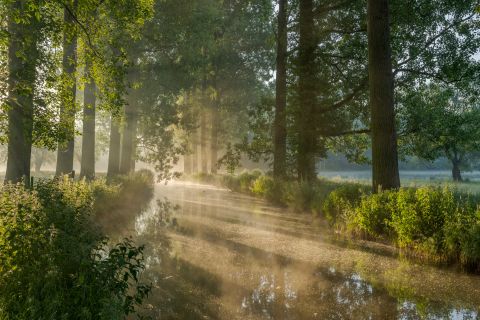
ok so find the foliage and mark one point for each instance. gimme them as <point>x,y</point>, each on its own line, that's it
<point>55,263</point>
<point>439,224</point>
<point>342,200</point>
<point>441,123</point>
<point>270,189</point>
<point>231,159</point>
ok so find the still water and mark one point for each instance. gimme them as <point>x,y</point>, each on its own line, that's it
<point>214,254</point>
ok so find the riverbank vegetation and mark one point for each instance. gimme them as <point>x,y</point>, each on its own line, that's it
<point>55,260</point>
<point>435,224</point>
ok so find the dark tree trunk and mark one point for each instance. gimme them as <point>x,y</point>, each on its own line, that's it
<point>114,150</point>
<point>21,87</point>
<point>214,138</point>
<point>306,94</point>
<point>66,150</point>
<point>129,137</point>
<point>456,173</point>
<point>456,161</point>
<point>87,169</point>
<point>384,139</point>
<point>280,124</point>
<point>203,140</point>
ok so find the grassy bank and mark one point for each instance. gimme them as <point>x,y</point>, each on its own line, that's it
<point>439,224</point>
<point>56,263</point>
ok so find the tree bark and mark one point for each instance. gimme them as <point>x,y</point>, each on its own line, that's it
<point>385,173</point>
<point>129,137</point>
<point>66,150</point>
<point>456,173</point>
<point>21,87</point>
<point>87,168</point>
<point>114,150</point>
<point>280,122</point>
<point>214,138</point>
<point>203,140</point>
<point>306,94</point>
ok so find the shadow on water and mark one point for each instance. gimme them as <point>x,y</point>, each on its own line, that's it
<point>213,255</point>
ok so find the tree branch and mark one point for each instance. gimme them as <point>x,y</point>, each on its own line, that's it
<point>346,133</point>
<point>428,74</point>
<point>331,7</point>
<point>82,26</point>
<point>435,38</point>
<point>347,99</point>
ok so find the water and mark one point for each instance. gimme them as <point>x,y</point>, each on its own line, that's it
<point>405,175</point>
<point>222,255</point>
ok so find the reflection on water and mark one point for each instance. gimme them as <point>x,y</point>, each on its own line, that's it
<point>213,254</point>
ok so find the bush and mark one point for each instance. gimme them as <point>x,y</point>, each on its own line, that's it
<point>54,262</point>
<point>241,183</point>
<point>269,189</point>
<point>419,217</point>
<point>373,214</point>
<point>342,200</point>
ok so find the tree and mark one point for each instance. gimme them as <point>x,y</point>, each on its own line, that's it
<point>22,61</point>
<point>305,124</point>
<point>87,163</point>
<point>114,147</point>
<point>441,122</point>
<point>384,138</point>
<point>40,156</point>
<point>280,125</point>
<point>68,89</point>
<point>129,139</point>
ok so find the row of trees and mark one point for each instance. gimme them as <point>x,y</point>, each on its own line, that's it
<point>285,81</point>
<point>83,39</point>
<point>345,70</point>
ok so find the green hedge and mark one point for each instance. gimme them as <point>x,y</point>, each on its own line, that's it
<point>439,224</point>
<point>55,263</point>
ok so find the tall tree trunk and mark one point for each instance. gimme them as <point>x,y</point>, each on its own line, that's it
<point>21,87</point>
<point>456,173</point>
<point>384,139</point>
<point>114,150</point>
<point>214,138</point>
<point>306,94</point>
<point>87,168</point>
<point>280,124</point>
<point>203,140</point>
<point>66,150</point>
<point>129,137</point>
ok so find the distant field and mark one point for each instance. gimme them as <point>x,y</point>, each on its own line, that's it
<point>414,178</point>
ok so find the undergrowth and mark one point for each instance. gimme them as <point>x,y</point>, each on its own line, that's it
<point>55,263</point>
<point>432,223</point>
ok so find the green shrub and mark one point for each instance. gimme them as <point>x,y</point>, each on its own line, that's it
<point>341,201</point>
<point>54,262</point>
<point>273,191</point>
<point>372,215</point>
<point>419,217</point>
<point>301,195</point>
